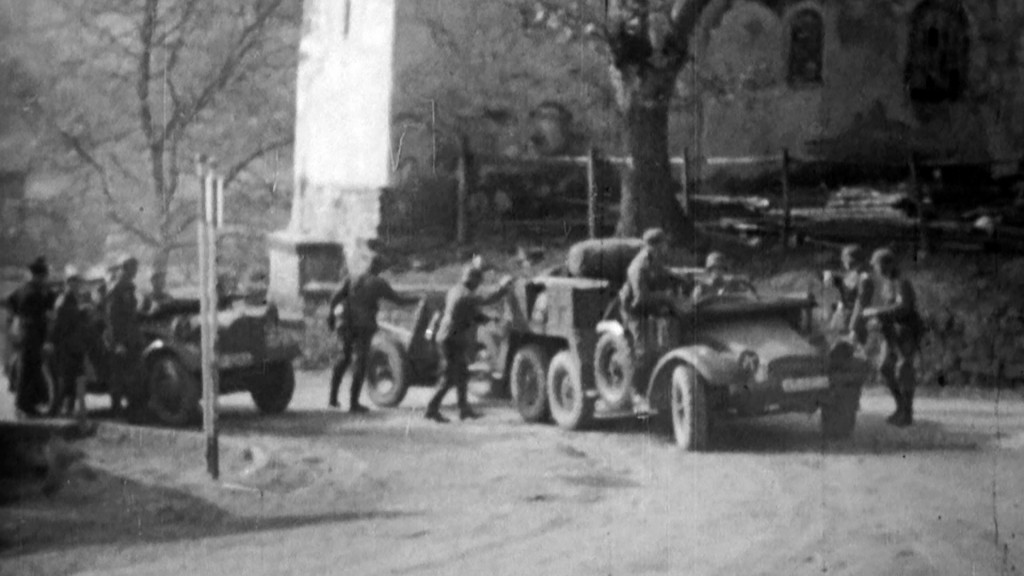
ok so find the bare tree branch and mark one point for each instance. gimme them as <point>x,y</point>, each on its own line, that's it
<point>235,169</point>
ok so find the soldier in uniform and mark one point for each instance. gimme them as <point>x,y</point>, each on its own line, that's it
<point>456,337</point>
<point>717,267</point>
<point>360,298</point>
<point>67,343</point>
<point>647,291</point>
<point>124,336</point>
<point>29,307</point>
<point>856,290</point>
<point>901,328</point>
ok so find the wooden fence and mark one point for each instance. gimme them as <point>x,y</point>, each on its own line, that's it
<point>690,178</point>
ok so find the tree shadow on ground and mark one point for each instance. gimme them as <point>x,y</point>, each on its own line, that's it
<point>99,508</point>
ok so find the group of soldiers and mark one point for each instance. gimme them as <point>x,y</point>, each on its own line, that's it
<point>354,318</point>
<point>869,296</point>
<point>874,294</point>
<point>56,330</point>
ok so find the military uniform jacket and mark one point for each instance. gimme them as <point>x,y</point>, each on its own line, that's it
<point>67,333</point>
<point>122,316</point>
<point>643,278</point>
<point>462,314</point>
<point>31,303</point>
<point>361,297</point>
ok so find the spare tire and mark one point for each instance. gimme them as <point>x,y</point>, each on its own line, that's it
<point>386,380</point>
<point>603,259</point>
<point>614,370</point>
<point>526,380</point>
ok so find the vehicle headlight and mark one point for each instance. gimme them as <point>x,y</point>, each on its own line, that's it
<point>749,362</point>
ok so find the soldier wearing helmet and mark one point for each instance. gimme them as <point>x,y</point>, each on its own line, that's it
<point>29,307</point>
<point>901,328</point>
<point>353,316</point>
<point>67,342</point>
<point>124,337</point>
<point>456,337</point>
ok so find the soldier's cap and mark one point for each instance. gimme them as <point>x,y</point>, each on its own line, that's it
<point>71,272</point>
<point>715,260</point>
<point>883,255</point>
<point>852,252</point>
<point>39,266</point>
<point>654,236</point>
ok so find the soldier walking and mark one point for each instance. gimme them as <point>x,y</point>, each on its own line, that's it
<point>359,299</point>
<point>28,308</point>
<point>124,337</point>
<point>902,329</point>
<point>456,337</point>
<point>66,340</point>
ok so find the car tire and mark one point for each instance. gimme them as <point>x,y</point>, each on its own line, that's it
<point>172,392</point>
<point>614,370</point>
<point>273,392</point>
<point>527,381</point>
<point>571,408</point>
<point>386,382</point>
<point>839,417</point>
<point>690,418</point>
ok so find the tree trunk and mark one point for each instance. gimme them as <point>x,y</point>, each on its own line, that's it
<point>648,192</point>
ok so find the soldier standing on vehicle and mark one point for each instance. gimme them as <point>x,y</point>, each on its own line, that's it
<point>157,296</point>
<point>856,289</point>
<point>647,291</point>
<point>28,308</point>
<point>67,343</point>
<point>359,299</point>
<point>901,328</point>
<point>124,336</point>
<point>456,337</point>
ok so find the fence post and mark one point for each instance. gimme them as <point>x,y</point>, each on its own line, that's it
<point>462,192</point>
<point>686,181</point>
<point>787,209</point>
<point>594,207</point>
<point>212,188</point>
<point>916,189</point>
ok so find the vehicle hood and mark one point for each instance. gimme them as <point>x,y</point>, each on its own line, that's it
<point>770,338</point>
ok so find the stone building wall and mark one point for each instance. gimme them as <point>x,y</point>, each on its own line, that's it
<point>861,109</point>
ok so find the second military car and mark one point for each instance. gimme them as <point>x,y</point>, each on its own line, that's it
<point>728,355</point>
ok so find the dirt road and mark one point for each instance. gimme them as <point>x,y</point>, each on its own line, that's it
<point>318,492</point>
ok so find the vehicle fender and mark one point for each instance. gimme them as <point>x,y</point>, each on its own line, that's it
<point>611,327</point>
<point>190,359</point>
<point>715,368</point>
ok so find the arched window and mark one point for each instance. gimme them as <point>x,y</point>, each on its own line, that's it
<point>938,52</point>
<point>806,43</point>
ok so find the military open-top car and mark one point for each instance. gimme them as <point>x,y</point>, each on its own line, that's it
<point>254,355</point>
<point>730,354</point>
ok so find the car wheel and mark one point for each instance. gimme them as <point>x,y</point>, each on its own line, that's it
<point>273,392</point>
<point>690,421</point>
<point>527,381</point>
<point>173,393</point>
<point>839,417</point>
<point>570,406</point>
<point>385,372</point>
<point>613,370</point>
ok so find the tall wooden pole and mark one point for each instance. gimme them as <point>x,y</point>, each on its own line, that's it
<point>922,227</point>
<point>462,193</point>
<point>787,209</point>
<point>208,212</point>
<point>593,196</point>
<point>687,185</point>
